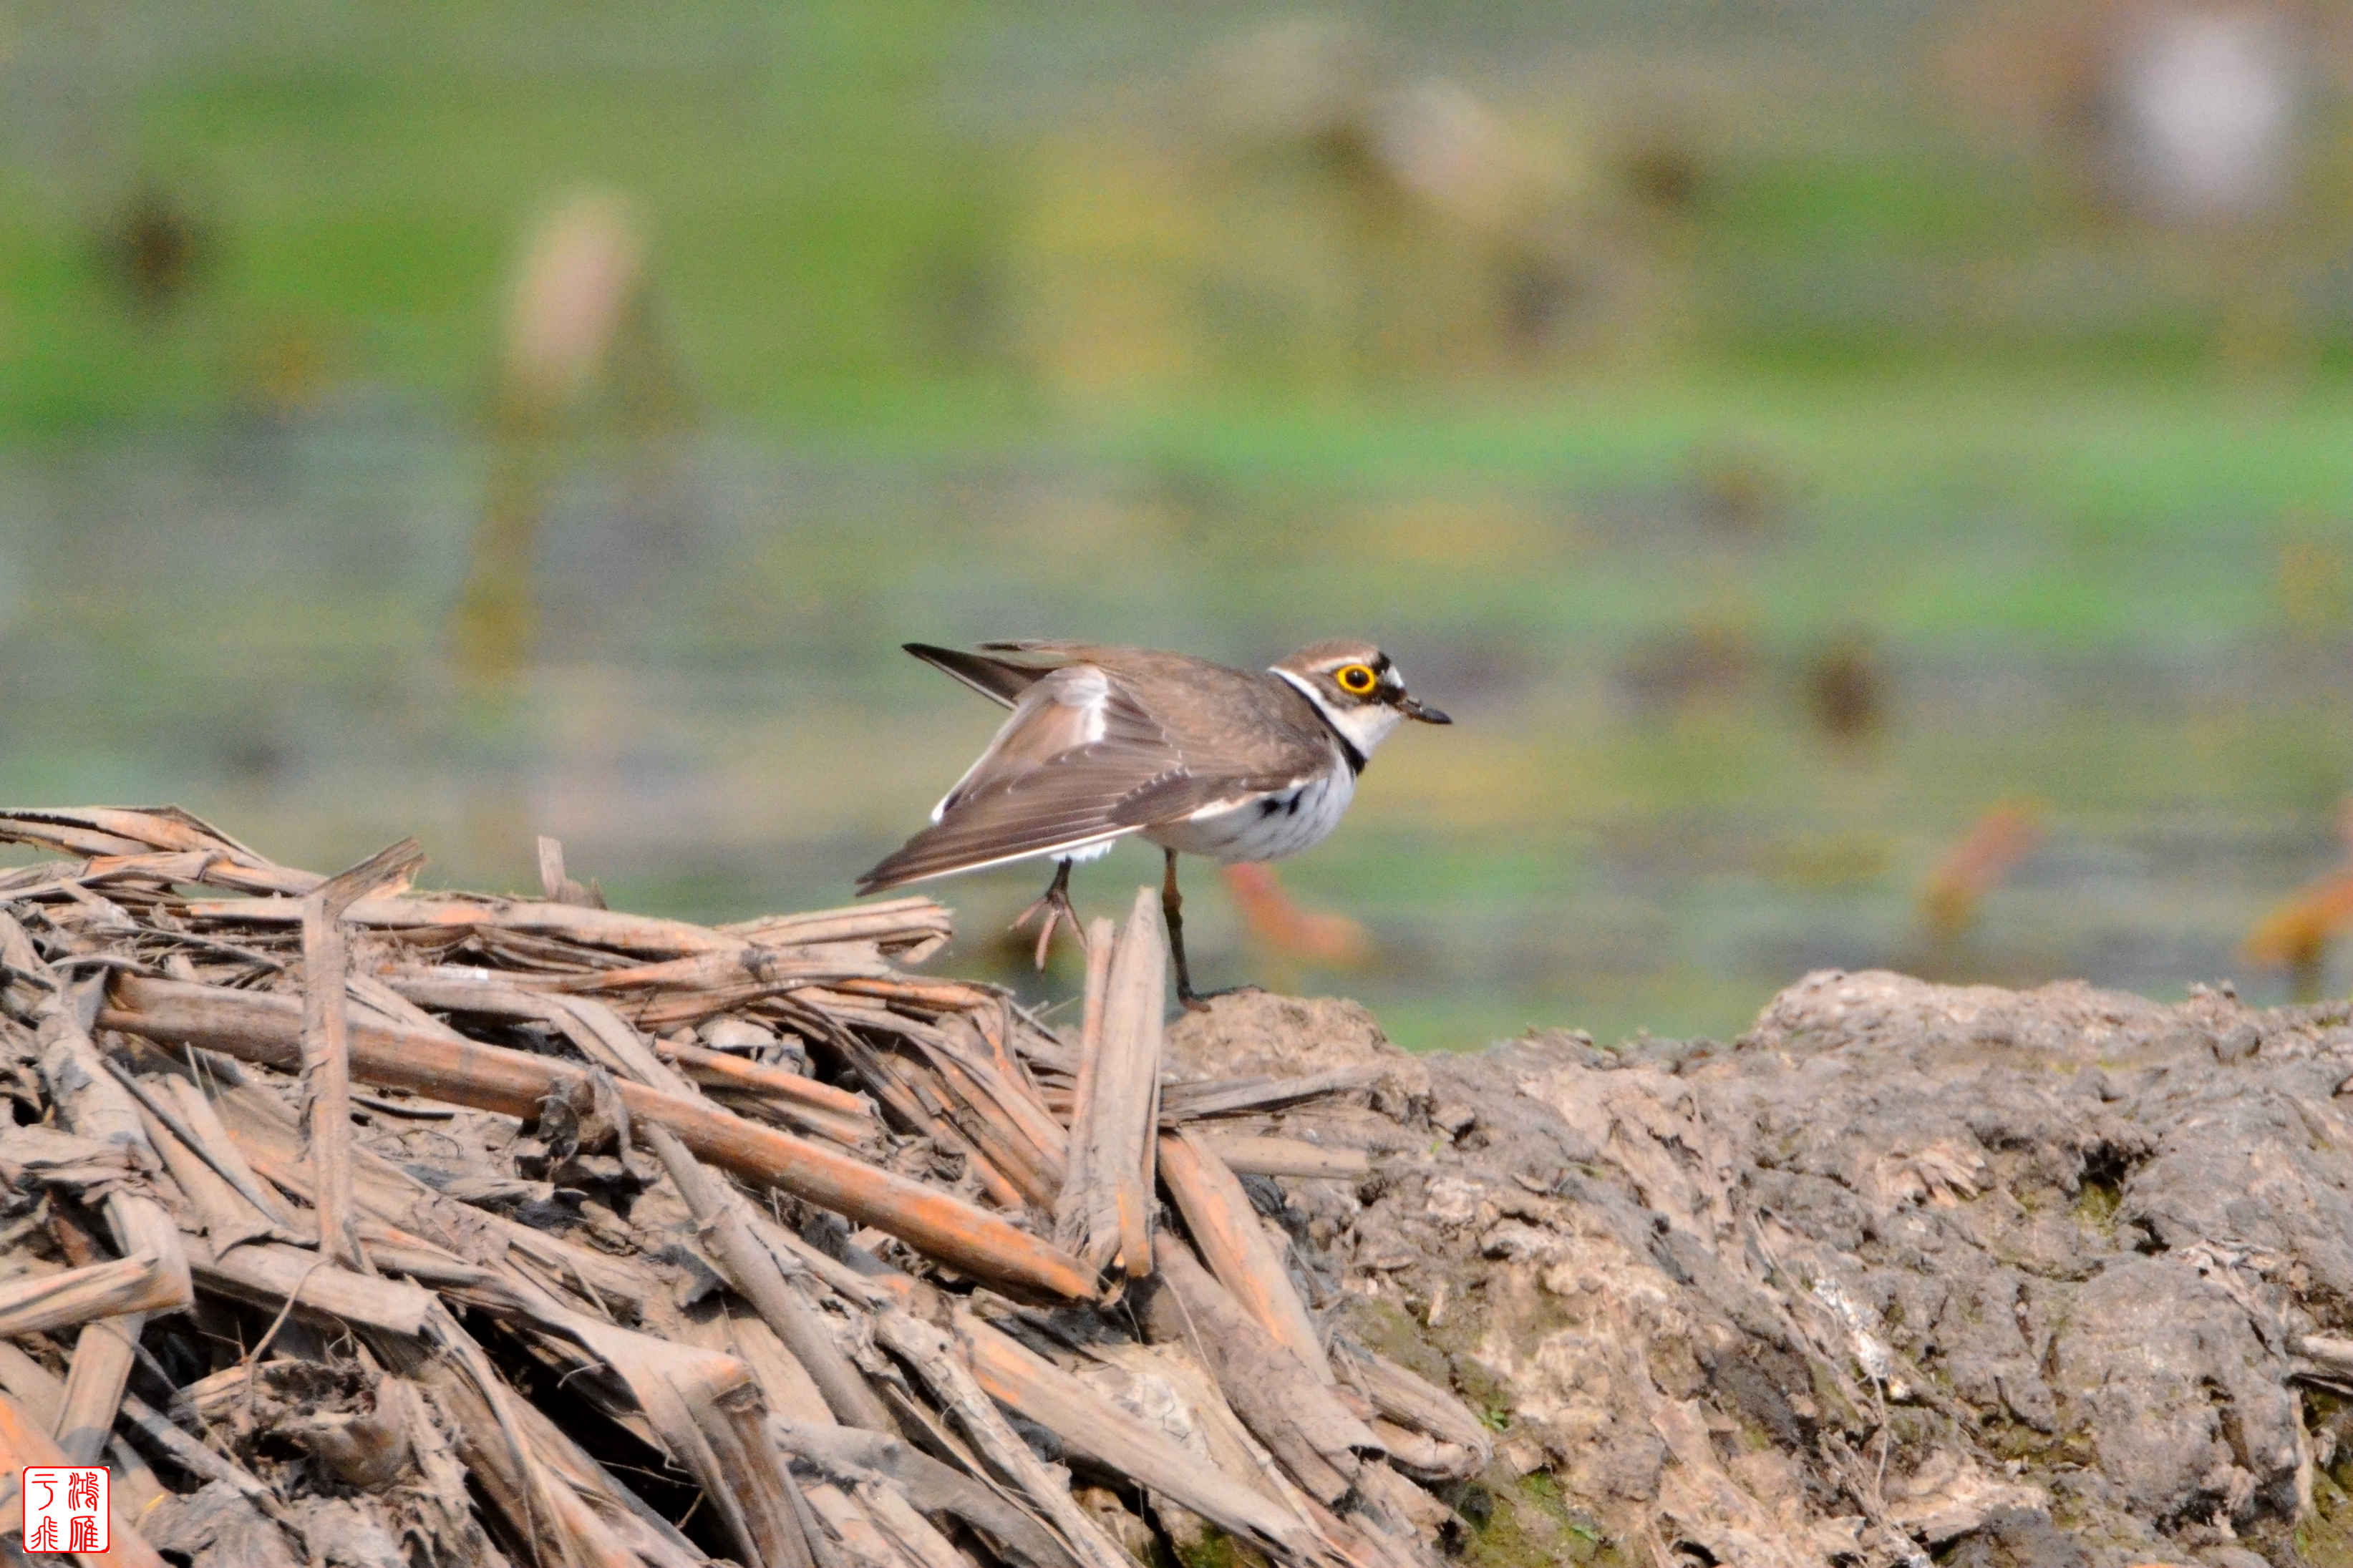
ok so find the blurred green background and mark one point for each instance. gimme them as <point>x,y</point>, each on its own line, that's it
<point>1869,477</point>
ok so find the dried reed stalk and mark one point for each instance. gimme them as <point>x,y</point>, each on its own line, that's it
<point>1278,1398</point>
<point>93,1106</point>
<point>1251,1155</point>
<point>947,1371</point>
<point>263,1030</point>
<point>271,1275</point>
<point>326,1056</point>
<point>1246,1096</point>
<point>934,1488</point>
<point>826,1408</point>
<point>753,1271</point>
<point>1115,1441</point>
<point>23,1442</point>
<point>1461,1444</point>
<point>1105,1209</point>
<point>1226,1228</point>
<point>140,1283</point>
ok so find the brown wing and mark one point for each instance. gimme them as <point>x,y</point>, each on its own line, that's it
<point>1001,680</point>
<point>1070,769</point>
<point>1239,728</point>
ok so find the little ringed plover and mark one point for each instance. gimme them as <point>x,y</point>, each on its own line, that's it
<point>1105,742</point>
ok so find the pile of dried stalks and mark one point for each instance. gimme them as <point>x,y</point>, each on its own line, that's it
<point>349,1224</point>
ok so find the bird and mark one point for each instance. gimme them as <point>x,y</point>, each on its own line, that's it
<point>1105,743</point>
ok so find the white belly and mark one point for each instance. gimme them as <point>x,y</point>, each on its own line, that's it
<point>1265,828</point>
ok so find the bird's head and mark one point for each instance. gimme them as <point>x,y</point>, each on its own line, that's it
<point>1358,688</point>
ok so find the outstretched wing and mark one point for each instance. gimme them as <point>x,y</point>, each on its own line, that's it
<point>1079,762</point>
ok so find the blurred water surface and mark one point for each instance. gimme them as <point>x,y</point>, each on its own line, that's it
<point>1869,477</point>
<point>1704,743</point>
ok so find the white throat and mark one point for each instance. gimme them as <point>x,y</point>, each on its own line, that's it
<point>1365,725</point>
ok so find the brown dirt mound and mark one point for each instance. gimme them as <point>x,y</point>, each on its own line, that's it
<point>1909,1271</point>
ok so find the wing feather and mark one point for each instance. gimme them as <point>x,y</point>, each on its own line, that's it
<point>1076,747</point>
<point>1079,762</point>
<point>1000,680</point>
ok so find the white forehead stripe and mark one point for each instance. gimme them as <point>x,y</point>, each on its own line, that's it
<point>1306,687</point>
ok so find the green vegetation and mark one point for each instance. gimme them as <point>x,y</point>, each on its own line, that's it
<point>852,208</point>
<point>1527,1522</point>
<point>2326,1540</point>
<point>1216,1549</point>
<point>982,333</point>
<point>357,191</point>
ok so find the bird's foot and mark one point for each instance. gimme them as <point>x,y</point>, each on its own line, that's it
<point>1054,906</point>
<point>1195,1001</point>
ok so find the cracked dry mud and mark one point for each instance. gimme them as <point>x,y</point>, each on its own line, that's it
<point>1909,1273</point>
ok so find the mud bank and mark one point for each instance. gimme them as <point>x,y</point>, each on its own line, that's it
<point>1908,1273</point>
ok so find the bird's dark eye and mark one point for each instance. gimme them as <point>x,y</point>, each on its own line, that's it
<point>1357,679</point>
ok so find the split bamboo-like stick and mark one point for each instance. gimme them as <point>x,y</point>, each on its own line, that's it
<point>270,1274</point>
<point>1248,1155</point>
<point>647,936</point>
<point>558,888</point>
<point>1134,1014</point>
<point>1226,1228</point>
<point>25,982</point>
<point>741,972</point>
<point>981,1118</point>
<point>503,1453</point>
<point>92,1105</point>
<point>1119,1443</point>
<point>1074,1209</point>
<point>791,1393</point>
<point>1243,1097</point>
<point>228,1216</point>
<point>603,1037</point>
<point>935,1359</point>
<point>95,1381</point>
<point>206,854</point>
<point>708,1412</point>
<point>862,1540</point>
<point>24,1442</point>
<point>932,1486</point>
<point>1298,1417</point>
<point>915,922</point>
<point>1416,1405</point>
<point>753,1271</point>
<point>181,1111</point>
<point>788,1096</point>
<point>326,1058</point>
<point>136,1284</point>
<point>911,1536</point>
<point>396,1197</point>
<point>977,1053</point>
<point>939,996</point>
<point>951,1070</point>
<point>1105,1209</point>
<point>736,1072</point>
<point>915,1095</point>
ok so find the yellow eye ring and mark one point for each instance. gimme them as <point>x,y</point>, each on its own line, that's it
<point>1357,679</point>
